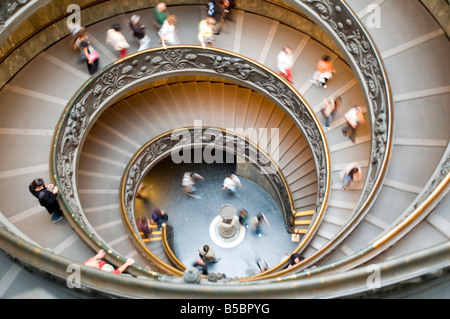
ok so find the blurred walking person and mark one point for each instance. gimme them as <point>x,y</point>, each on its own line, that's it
<point>354,117</point>
<point>351,174</point>
<point>324,72</point>
<point>206,32</point>
<point>285,62</point>
<point>331,107</point>
<point>115,38</point>
<point>231,183</point>
<point>168,32</point>
<point>160,14</point>
<point>188,184</point>
<point>138,30</point>
<point>87,52</point>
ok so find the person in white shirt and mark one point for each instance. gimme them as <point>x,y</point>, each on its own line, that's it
<point>188,183</point>
<point>115,38</point>
<point>231,183</point>
<point>354,117</point>
<point>285,62</point>
<point>168,32</point>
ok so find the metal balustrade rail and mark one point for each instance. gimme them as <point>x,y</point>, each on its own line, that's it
<point>361,280</point>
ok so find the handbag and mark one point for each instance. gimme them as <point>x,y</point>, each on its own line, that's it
<point>93,55</point>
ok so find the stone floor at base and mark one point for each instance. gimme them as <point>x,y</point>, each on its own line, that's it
<point>193,218</point>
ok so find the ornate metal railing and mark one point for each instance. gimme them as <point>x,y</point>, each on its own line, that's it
<point>7,9</point>
<point>118,78</point>
<point>353,282</point>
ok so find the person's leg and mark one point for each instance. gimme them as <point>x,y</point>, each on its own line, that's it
<point>327,121</point>
<point>258,230</point>
<point>289,75</point>
<point>352,134</point>
<point>57,216</point>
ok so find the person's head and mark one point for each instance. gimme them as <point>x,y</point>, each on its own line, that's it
<point>81,33</point>
<point>158,211</point>
<point>38,183</point>
<point>210,21</point>
<point>243,212</point>
<point>326,58</point>
<point>206,248</point>
<point>171,19</point>
<point>287,50</point>
<point>116,27</point>
<point>161,7</point>
<point>135,19</point>
<point>107,267</point>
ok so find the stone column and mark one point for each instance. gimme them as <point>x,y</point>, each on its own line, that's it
<point>227,214</point>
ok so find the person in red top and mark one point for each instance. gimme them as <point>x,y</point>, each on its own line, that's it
<point>98,263</point>
<point>324,72</point>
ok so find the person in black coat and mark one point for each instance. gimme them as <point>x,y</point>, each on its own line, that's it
<point>47,196</point>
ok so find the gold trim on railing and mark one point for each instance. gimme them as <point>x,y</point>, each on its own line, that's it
<point>174,259</point>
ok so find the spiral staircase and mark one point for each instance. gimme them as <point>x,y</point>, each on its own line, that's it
<point>397,217</point>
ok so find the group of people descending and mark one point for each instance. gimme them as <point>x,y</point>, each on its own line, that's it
<point>144,224</point>
<point>332,105</point>
<point>353,118</point>
<point>330,108</point>
<point>164,23</point>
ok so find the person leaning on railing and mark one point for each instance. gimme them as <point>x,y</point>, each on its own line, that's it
<point>97,263</point>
